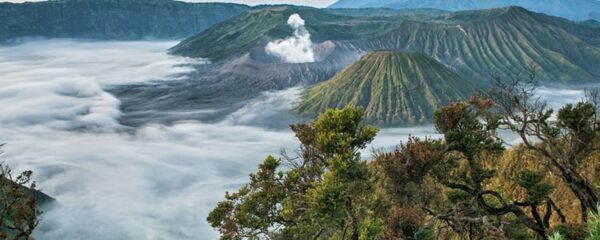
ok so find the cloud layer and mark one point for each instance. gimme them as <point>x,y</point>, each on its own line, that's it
<point>59,83</point>
<point>152,182</point>
<point>295,49</point>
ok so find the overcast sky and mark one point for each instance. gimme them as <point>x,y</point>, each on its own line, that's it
<point>315,3</point>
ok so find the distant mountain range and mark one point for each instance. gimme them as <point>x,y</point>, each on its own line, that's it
<point>393,88</point>
<point>475,44</point>
<point>111,19</point>
<point>471,45</point>
<point>467,47</point>
<point>572,9</point>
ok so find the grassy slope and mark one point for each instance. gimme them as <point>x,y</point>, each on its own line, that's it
<point>393,88</point>
<point>479,43</point>
<point>259,26</point>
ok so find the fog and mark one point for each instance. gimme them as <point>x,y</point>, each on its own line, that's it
<point>58,83</point>
<point>152,182</point>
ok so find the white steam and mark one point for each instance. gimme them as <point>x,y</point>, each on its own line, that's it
<point>295,49</point>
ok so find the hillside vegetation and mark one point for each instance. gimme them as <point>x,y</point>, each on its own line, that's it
<point>259,26</point>
<point>393,88</point>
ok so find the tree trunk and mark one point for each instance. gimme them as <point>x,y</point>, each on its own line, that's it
<point>585,193</point>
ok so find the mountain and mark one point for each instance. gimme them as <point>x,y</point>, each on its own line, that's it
<point>572,9</point>
<point>259,26</point>
<point>479,43</point>
<point>111,19</point>
<point>475,44</point>
<point>384,12</point>
<point>591,23</point>
<point>393,88</point>
<point>224,86</point>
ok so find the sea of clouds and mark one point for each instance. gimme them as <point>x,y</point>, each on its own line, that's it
<point>112,182</point>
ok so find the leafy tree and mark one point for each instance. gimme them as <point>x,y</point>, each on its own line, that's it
<point>406,187</point>
<point>464,185</point>
<point>564,143</point>
<point>253,211</point>
<point>470,143</point>
<point>324,194</point>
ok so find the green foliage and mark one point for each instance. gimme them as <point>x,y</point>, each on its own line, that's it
<point>469,134</point>
<point>592,230</point>
<point>255,207</point>
<point>593,226</point>
<point>569,232</point>
<point>424,189</point>
<point>516,231</point>
<point>464,132</point>
<point>372,229</point>
<point>580,120</point>
<point>562,144</point>
<point>537,190</point>
<point>325,195</point>
<point>556,236</point>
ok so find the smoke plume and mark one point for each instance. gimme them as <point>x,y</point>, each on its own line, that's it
<point>295,49</point>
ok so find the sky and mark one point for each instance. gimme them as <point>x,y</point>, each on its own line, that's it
<point>314,3</point>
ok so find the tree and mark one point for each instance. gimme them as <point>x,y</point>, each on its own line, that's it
<point>324,194</point>
<point>406,187</point>
<point>469,143</point>
<point>563,142</point>
<point>19,211</point>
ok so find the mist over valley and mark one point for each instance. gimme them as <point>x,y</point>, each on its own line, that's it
<point>137,126</point>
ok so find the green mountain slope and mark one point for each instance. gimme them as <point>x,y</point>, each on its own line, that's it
<point>259,26</point>
<point>479,43</point>
<point>393,88</point>
<point>475,44</point>
<point>111,19</point>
